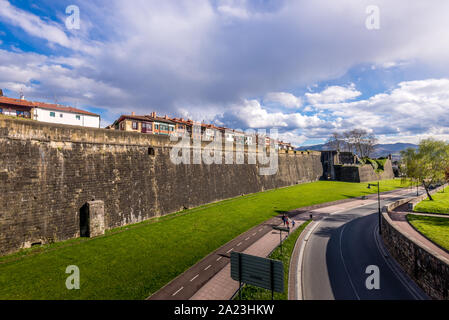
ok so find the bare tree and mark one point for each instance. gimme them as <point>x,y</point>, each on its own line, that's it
<point>335,141</point>
<point>358,141</point>
<point>356,137</point>
<point>348,141</point>
<point>368,144</point>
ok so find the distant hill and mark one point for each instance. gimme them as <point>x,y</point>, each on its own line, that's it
<point>380,150</point>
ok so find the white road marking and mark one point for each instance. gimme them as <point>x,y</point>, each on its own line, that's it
<point>174,294</point>
<point>254,233</point>
<point>218,258</point>
<point>194,278</point>
<point>229,250</point>
<point>260,229</point>
<point>208,267</point>
<point>247,238</point>
<point>239,244</point>
<point>300,267</point>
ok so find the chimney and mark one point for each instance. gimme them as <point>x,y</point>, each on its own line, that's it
<point>1,93</point>
<point>133,113</point>
<point>22,97</point>
<point>153,114</point>
<point>166,117</point>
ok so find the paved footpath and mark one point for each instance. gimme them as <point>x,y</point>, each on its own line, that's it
<point>221,286</point>
<point>209,279</point>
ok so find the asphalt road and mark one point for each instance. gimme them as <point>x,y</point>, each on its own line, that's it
<point>338,252</point>
<point>188,283</point>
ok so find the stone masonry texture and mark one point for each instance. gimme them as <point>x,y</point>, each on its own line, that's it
<point>429,270</point>
<point>363,173</point>
<point>49,172</point>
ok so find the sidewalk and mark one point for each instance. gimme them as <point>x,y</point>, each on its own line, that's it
<point>221,286</point>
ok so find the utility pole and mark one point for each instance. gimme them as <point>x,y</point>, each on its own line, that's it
<point>378,203</point>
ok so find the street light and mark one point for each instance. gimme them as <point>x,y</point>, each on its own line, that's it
<point>378,202</point>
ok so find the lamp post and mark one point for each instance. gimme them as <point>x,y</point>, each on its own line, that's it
<point>378,203</point>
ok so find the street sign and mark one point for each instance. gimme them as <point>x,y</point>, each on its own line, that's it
<point>280,229</point>
<point>257,271</point>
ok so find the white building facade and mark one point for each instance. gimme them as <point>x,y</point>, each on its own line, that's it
<point>69,116</point>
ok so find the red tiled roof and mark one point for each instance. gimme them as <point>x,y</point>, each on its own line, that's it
<point>160,119</point>
<point>16,102</point>
<point>43,105</point>
<point>59,107</point>
<point>143,118</point>
<point>122,117</point>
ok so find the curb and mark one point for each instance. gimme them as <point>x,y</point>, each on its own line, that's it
<point>295,274</point>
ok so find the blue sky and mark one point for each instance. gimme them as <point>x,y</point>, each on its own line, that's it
<point>307,68</point>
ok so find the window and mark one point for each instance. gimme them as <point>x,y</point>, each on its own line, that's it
<point>52,114</point>
<point>61,115</point>
<point>78,117</point>
<point>1,110</point>
<point>134,125</point>
<point>157,127</point>
<point>146,127</point>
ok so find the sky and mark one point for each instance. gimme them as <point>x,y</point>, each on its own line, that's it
<point>307,68</point>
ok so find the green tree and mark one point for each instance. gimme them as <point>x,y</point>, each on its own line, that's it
<point>427,164</point>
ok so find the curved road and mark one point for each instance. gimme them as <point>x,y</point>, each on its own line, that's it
<point>336,256</point>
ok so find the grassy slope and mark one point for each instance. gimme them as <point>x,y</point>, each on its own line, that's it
<point>136,262</point>
<point>254,293</point>
<point>434,228</point>
<point>440,203</point>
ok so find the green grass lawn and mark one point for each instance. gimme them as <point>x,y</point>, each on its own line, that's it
<point>434,228</point>
<point>250,292</point>
<point>133,262</point>
<point>440,203</point>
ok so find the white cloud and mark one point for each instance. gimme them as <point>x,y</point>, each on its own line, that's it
<point>414,109</point>
<point>284,98</point>
<point>294,137</point>
<point>48,30</point>
<point>169,54</point>
<point>184,57</point>
<point>43,78</point>
<point>333,94</point>
<point>233,8</point>
<point>33,24</point>
<point>251,114</point>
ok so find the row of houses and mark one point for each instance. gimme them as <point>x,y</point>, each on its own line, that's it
<point>47,112</point>
<point>147,124</point>
<point>153,124</point>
